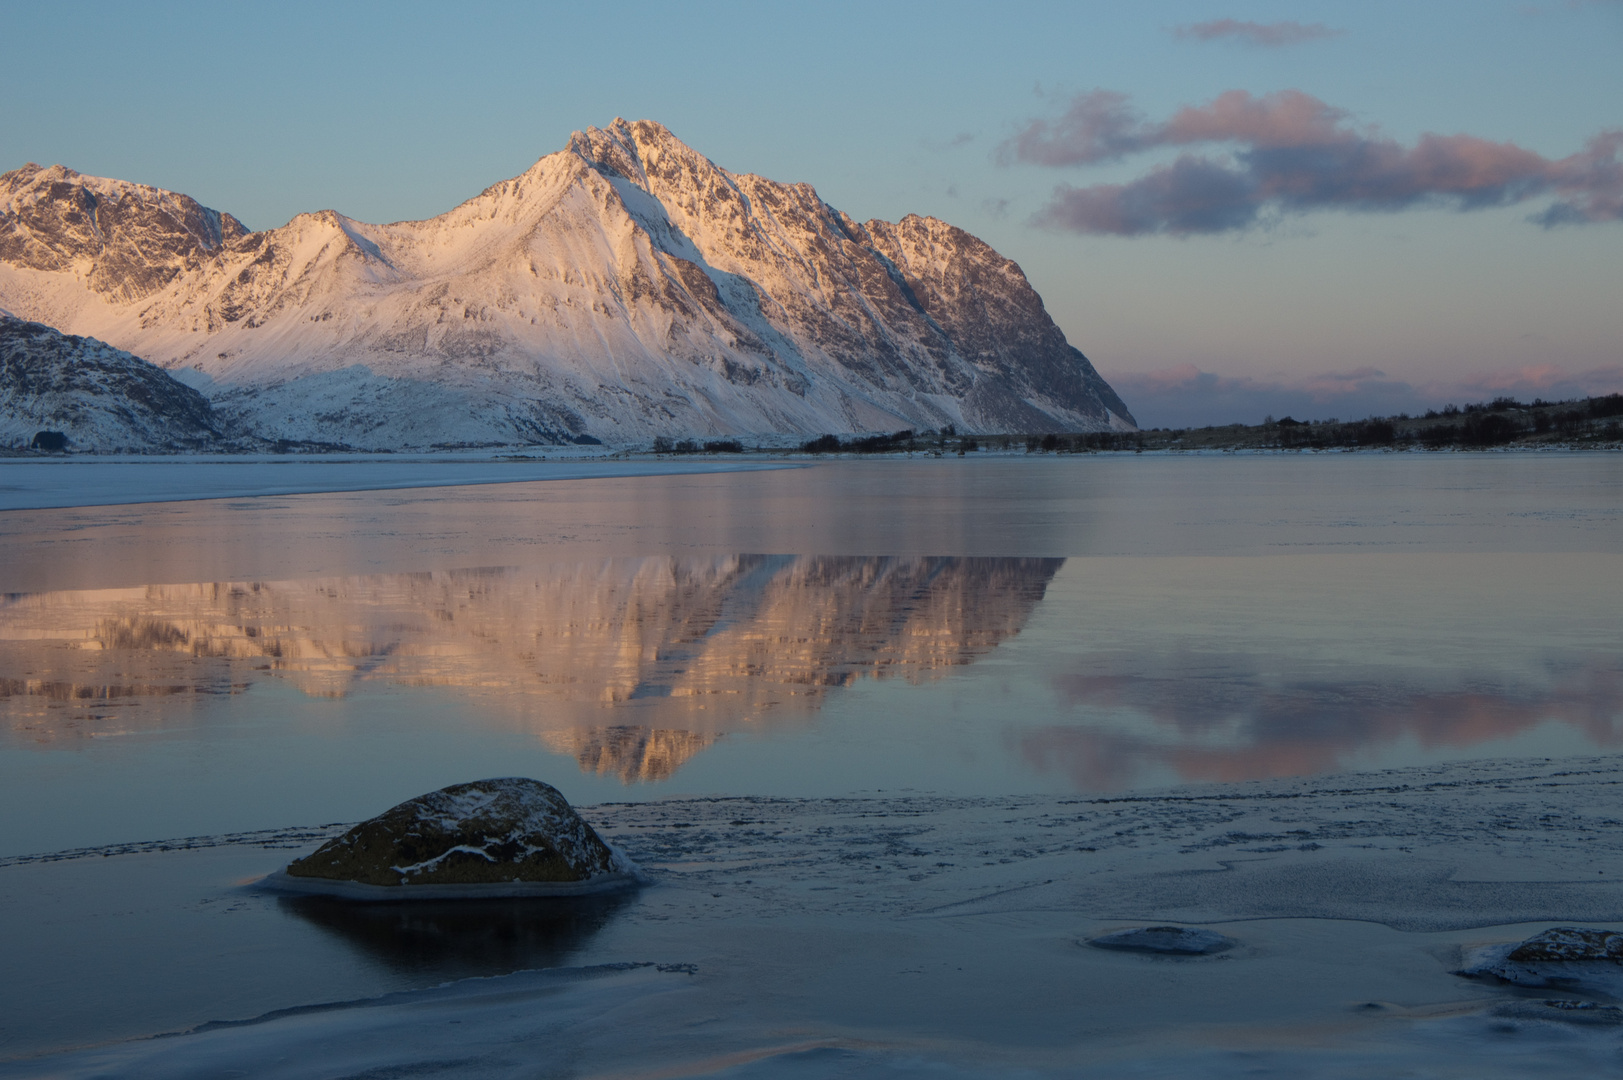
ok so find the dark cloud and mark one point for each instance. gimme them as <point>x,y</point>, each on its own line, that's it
<point>1267,35</point>
<point>1291,152</point>
<point>1185,396</point>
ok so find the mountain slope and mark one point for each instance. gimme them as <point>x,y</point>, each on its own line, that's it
<point>102,398</point>
<point>621,288</point>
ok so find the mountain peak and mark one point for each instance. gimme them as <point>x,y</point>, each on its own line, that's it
<point>129,239</point>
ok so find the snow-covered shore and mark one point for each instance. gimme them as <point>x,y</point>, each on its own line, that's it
<point>48,483</point>
<point>909,934</point>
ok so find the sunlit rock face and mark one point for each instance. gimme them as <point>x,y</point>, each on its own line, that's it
<point>631,666</point>
<point>621,288</point>
<point>123,242</point>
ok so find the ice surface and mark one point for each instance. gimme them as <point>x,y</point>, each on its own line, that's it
<point>786,937</point>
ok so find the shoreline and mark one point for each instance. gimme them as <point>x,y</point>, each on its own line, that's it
<point>31,482</point>
<point>37,484</point>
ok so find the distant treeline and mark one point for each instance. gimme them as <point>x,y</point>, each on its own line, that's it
<point>937,441</point>
<point>662,445</point>
<point>1503,421</point>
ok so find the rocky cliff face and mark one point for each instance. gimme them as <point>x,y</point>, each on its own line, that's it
<point>123,241</point>
<point>101,398</point>
<point>622,288</point>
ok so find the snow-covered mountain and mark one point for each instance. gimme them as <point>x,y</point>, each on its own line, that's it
<point>621,288</point>
<point>101,398</point>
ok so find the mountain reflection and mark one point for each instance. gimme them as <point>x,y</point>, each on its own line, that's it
<point>632,666</point>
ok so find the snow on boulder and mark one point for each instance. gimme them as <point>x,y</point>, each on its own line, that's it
<point>503,837</point>
<point>1563,958</point>
<point>1171,940</point>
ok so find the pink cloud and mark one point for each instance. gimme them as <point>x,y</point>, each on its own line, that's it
<point>1289,152</point>
<point>1267,35</point>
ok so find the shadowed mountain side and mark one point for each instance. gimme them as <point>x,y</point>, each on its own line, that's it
<point>622,288</point>
<point>100,398</point>
<point>632,666</point>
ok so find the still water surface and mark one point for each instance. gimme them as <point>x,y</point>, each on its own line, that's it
<point>974,627</point>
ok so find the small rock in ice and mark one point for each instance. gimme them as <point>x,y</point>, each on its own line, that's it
<point>1174,940</point>
<point>503,837</point>
<point>1565,943</point>
<point>1568,957</point>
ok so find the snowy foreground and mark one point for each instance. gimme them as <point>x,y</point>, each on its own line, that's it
<point>915,935</point>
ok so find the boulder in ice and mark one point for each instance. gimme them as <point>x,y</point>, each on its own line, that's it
<point>503,837</point>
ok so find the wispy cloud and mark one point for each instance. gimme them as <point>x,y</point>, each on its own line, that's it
<point>1265,35</point>
<point>1292,153</point>
<point>963,138</point>
<point>1185,396</point>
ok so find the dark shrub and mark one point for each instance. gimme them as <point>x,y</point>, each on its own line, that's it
<point>1374,433</point>
<point>823,444</point>
<point>1441,435</point>
<point>1610,405</point>
<point>724,446</point>
<point>1487,430</point>
<point>49,440</point>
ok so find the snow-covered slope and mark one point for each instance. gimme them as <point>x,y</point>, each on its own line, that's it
<point>621,288</point>
<point>101,398</point>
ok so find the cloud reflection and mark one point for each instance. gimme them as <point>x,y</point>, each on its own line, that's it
<point>1223,720</point>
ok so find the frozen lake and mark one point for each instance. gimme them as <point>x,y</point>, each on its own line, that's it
<point>944,641</point>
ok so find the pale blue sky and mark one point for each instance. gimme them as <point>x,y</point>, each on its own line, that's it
<point>389,111</point>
